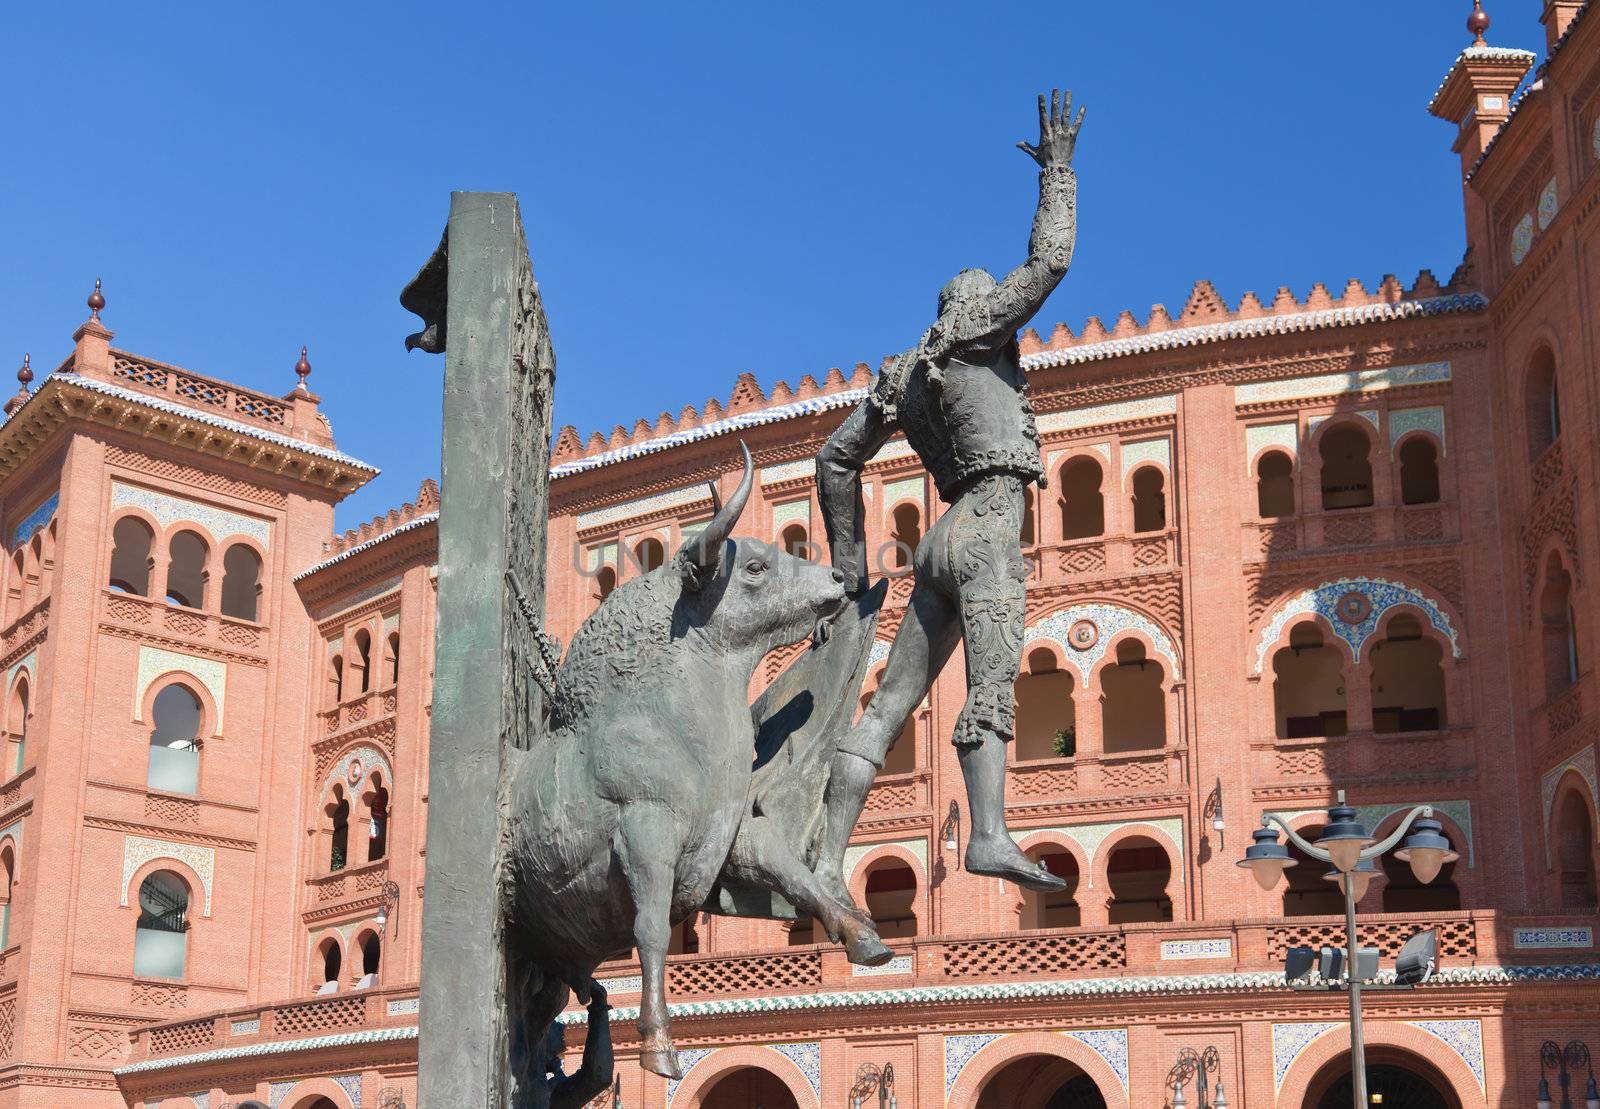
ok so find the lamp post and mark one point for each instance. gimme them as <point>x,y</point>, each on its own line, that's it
<point>1564,1060</point>
<point>950,834</point>
<point>391,898</point>
<point>870,1079</point>
<point>1348,845</point>
<point>391,1098</point>
<point>1198,1066</point>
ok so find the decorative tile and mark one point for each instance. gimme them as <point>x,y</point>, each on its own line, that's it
<point>360,761</point>
<point>1352,381</point>
<point>625,983</point>
<point>1053,462</point>
<point>1111,1044</point>
<point>1289,1040</point>
<point>1464,1037</point>
<point>1583,763</point>
<point>1197,949</point>
<point>900,964</point>
<point>28,662</point>
<point>1547,939</point>
<point>1146,450</point>
<point>1112,620</point>
<point>209,672</point>
<point>1323,600</point>
<point>1405,420</point>
<point>404,1006</point>
<point>1368,414</point>
<point>249,1027</point>
<point>138,850</point>
<point>687,1060</point>
<point>1258,437</point>
<point>168,510</point>
<point>1091,836</point>
<point>789,471</point>
<point>277,1091</point>
<point>1522,239</point>
<point>808,1057</point>
<point>361,596</point>
<point>856,852</point>
<point>645,506</point>
<point>958,1052</point>
<point>35,521</point>
<point>790,512</point>
<point>879,652</point>
<point>14,831</point>
<point>1549,204</point>
<point>1099,415</point>
<point>351,1084</point>
<point>912,488</point>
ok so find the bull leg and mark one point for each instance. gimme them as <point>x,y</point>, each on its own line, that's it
<point>922,646</point>
<point>786,874</point>
<point>650,849</point>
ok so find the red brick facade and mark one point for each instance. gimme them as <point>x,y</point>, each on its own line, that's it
<point>1288,546</point>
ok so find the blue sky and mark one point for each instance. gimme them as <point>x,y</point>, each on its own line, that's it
<point>709,188</point>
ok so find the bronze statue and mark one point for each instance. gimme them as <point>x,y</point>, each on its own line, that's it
<point>961,399</point>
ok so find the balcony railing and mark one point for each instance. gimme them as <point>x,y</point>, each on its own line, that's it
<point>1366,754</point>
<point>1108,556</point>
<point>1041,781</point>
<point>359,710</point>
<point>193,390</point>
<point>1346,528</point>
<point>159,617</point>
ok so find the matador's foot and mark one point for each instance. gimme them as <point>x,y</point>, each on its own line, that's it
<point>999,857</point>
<point>833,885</point>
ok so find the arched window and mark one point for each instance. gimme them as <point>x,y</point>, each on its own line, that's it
<point>1419,471</point>
<point>175,740</point>
<point>1030,516</point>
<point>161,936</point>
<point>1149,500</point>
<point>186,570</point>
<point>1083,508</point>
<point>1560,631</point>
<point>907,534</point>
<point>8,876</point>
<point>1275,485</point>
<point>795,541</point>
<point>649,554</point>
<point>241,582</point>
<point>891,899</point>
<point>1133,708</point>
<point>338,810</point>
<point>336,679</point>
<point>131,542</point>
<point>41,566</point>
<point>1308,689</point>
<point>377,799</point>
<point>1346,468</point>
<point>1047,722</point>
<point>332,958</point>
<point>15,589</point>
<point>604,582</point>
<point>685,937</point>
<point>17,723</point>
<point>1575,852</point>
<point>1542,402</point>
<point>1138,872</point>
<point>1407,680</point>
<point>1308,892</point>
<point>371,957</point>
<point>33,575</point>
<point>1059,908</point>
<point>902,755</point>
<point>361,659</point>
<point>1404,893</point>
<point>391,659</point>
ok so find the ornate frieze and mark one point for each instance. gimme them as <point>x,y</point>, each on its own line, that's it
<point>1464,1037</point>
<point>645,506</point>
<point>1111,1044</point>
<point>154,661</point>
<point>1405,420</point>
<point>1146,450</point>
<point>138,850</point>
<point>1100,415</point>
<point>35,521</point>
<point>1289,1041</point>
<point>1090,837</point>
<point>1328,600</point>
<point>168,509</point>
<point>1258,437</point>
<point>1109,621</point>
<point>1339,384</point>
<point>958,1052</point>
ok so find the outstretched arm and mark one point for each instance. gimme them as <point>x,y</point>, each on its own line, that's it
<point>839,466</point>
<point>1055,223</point>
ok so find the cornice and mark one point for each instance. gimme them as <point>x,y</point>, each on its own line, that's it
<point>167,831</point>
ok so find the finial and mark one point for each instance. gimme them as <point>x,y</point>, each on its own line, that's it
<point>303,368</point>
<point>96,301</point>
<point>1478,22</point>
<point>25,375</point>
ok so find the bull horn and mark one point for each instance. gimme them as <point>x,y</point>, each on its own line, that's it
<point>704,551</point>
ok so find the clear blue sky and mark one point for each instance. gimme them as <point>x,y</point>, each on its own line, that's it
<point>708,188</point>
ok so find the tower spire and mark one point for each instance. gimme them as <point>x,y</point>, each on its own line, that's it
<point>96,301</point>
<point>302,369</point>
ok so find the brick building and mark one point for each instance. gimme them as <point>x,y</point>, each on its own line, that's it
<point>1287,546</point>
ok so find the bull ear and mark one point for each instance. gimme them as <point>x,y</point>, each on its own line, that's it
<point>701,554</point>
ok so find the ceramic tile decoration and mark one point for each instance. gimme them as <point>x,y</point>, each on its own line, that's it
<point>1258,437</point>
<point>1549,939</point>
<point>789,471</point>
<point>1368,414</point>
<point>277,1091</point>
<point>372,592</point>
<point>354,768</point>
<point>413,524</point>
<point>35,521</point>
<point>1405,420</point>
<point>1099,415</point>
<point>1322,600</point>
<point>28,662</point>
<point>854,854</point>
<point>249,1027</point>
<point>900,964</point>
<point>1522,239</point>
<point>14,831</point>
<point>1090,836</point>
<point>350,1084</point>
<point>958,1052</point>
<point>644,506</point>
<point>1111,620</point>
<point>168,510</point>
<point>790,512</point>
<point>1549,204</point>
<point>209,672</point>
<point>403,1006</point>
<point>1146,450</point>
<point>1336,384</point>
<point>1583,763</point>
<point>808,1057</point>
<point>138,850</point>
<point>1221,948</point>
<point>1464,1037</point>
<point>1111,1044</point>
<point>687,1060</point>
<point>1289,1040</point>
<point>623,983</point>
<point>906,488</point>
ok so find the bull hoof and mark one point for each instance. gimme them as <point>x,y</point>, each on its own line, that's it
<point>662,1061</point>
<point>868,950</point>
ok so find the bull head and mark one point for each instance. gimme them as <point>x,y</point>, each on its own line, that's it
<point>701,556</point>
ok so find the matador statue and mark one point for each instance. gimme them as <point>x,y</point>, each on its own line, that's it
<point>961,399</point>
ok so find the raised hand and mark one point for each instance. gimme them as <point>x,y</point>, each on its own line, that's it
<point>1058,135</point>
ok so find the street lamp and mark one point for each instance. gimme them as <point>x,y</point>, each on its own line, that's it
<point>950,833</point>
<point>1347,844</point>
<point>1199,1066</point>
<point>1564,1060</point>
<point>870,1079</point>
<point>391,1098</point>
<point>391,898</point>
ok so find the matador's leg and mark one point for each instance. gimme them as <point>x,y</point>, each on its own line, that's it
<point>987,561</point>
